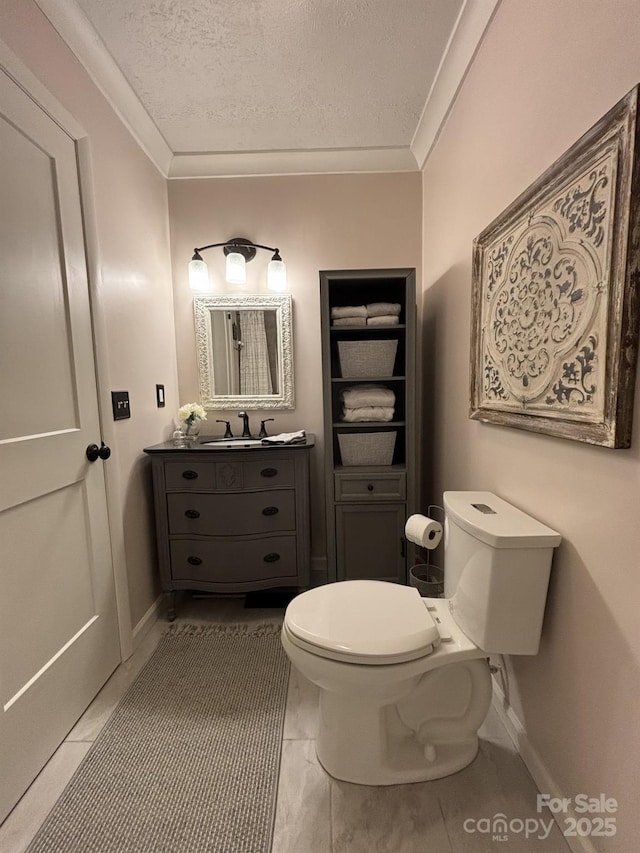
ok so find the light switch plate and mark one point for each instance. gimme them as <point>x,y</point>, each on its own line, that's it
<point>120,405</point>
<point>160,401</point>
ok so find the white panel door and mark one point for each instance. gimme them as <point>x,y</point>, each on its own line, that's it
<point>58,624</point>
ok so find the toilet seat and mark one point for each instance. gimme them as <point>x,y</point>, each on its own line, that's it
<point>362,621</point>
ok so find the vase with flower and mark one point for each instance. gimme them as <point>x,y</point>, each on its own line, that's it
<point>190,417</point>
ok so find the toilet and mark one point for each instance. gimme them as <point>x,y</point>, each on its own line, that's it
<point>404,681</point>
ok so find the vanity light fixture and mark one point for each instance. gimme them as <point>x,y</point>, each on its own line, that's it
<point>238,250</point>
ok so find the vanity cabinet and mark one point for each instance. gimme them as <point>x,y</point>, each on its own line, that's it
<point>367,504</point>
<point>231,521</point>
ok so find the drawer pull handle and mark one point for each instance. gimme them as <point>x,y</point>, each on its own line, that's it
<point>272,557</point>
<point>192,513</point>
<point>270,510</point>
<point>268,472</point>
<point>190,475</point>
<point>370,487</point>
<point>195,561</point>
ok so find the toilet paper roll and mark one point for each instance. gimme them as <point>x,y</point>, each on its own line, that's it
<point>424,531</point>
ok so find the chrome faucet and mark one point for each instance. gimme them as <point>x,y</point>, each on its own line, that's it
<point>246,432</point>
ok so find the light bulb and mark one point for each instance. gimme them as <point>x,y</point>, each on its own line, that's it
<point>198,275</point>
<point>236,268</point>
<point>277,274</point>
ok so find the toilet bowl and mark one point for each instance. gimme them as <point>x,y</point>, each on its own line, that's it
<point>402,690</point>
<point>404,681</point>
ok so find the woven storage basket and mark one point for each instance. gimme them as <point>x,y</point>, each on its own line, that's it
<point>367,358</point>
<point>367,448</point>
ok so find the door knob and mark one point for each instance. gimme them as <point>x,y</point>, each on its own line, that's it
<point>94,452</point>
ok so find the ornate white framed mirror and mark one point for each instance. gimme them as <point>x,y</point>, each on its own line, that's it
<point>244,346</point>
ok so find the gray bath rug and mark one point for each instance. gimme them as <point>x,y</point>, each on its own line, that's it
<point>188,762</point>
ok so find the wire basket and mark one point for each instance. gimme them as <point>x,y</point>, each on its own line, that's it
<point>427,579</point>
<point>367,448</point>
<point>373,359</point>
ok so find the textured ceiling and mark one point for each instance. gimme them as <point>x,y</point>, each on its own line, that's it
<point>265,75</point>
<point>270,87</point>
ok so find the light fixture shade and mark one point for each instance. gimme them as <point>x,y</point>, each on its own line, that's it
<point>236,268</point>
<point>198,275</point>
<point>277,276</point>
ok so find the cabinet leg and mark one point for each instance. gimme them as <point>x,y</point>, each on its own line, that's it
<point>170,600</point>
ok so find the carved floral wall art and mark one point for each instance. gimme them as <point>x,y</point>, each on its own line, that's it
<point>555,294</point>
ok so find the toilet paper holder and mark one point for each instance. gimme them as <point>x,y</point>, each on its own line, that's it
<point>424,530</point>
<point>428,577</point>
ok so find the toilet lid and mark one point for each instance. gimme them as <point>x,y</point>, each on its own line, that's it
<point>363,619</point>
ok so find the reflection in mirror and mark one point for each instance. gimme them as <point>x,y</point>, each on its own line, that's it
<point>244,346</point>
<point>245,352</point>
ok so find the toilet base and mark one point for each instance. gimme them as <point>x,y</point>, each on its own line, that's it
<point>360,754</point>
<point>451,758</point>
<point>398,723</point>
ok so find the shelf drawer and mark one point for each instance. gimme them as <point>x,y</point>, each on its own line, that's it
<point>233,560</point>
<point>231,514</point>
<point>371,487</point>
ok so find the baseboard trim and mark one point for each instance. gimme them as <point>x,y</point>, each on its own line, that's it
<point>142,628</point>
<point>536,767</point>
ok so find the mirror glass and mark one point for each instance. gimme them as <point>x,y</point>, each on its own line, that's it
<point>245,353</point>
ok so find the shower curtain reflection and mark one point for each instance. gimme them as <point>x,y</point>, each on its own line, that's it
<point>255,374</point>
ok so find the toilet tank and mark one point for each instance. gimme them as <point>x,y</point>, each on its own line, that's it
<point>496,571</point>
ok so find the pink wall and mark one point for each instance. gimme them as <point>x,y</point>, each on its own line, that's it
<point>318,222</point>
<point>135,290</point>
<point>544,74</point>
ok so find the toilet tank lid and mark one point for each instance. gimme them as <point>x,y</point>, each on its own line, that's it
<point>496,522</point>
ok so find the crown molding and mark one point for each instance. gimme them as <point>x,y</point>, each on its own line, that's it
<point>75,29</point>
<point>293,162</point>
<point>468,32</point>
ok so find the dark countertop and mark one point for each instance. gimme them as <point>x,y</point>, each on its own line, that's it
<point>201,447</point>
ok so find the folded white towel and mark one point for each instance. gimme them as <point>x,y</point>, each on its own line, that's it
<point>350,321</point>
<point>350,311</point>
<point>367,395</point>
<point>368,413</point>
<point>376,309</point>
<point>383,320</point>
<point>299,437</point>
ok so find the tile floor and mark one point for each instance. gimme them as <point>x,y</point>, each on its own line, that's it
<point>315,813</point>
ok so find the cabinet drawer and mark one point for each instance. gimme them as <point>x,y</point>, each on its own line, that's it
<point>195,476</point>
<point>266,473</point>
<point>371,487</point>
<point>229,475</point>
<point>231,514</point>
<point>233,560</point>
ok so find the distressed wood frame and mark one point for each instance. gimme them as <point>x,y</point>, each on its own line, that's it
<point>556,284</point>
